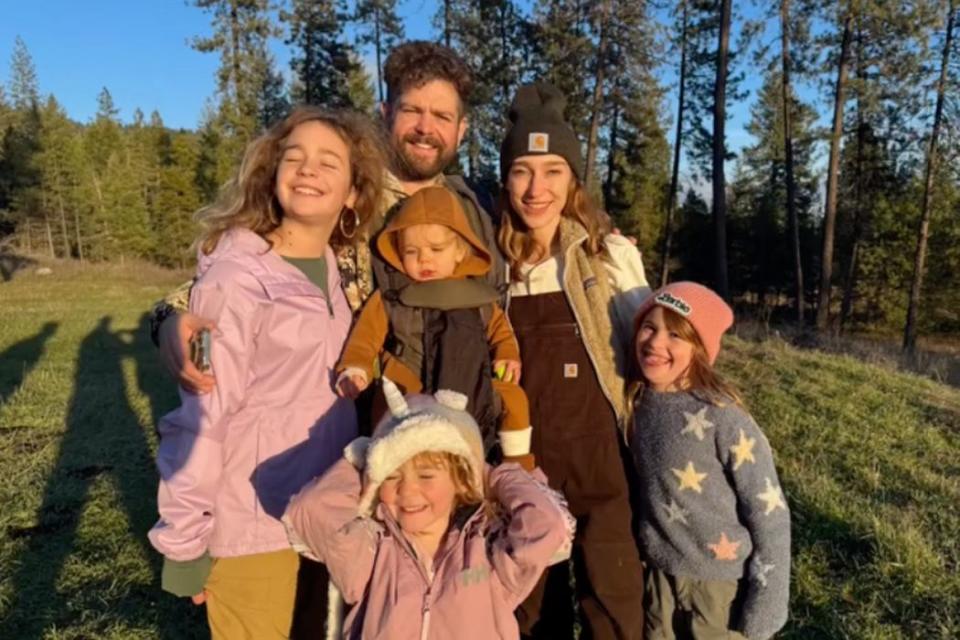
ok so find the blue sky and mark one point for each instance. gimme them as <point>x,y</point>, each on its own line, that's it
<point>140,51</point>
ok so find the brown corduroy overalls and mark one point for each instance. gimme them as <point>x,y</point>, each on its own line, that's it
<point>578,445</point>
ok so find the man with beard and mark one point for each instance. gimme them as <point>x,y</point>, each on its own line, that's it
<point>428,88</point>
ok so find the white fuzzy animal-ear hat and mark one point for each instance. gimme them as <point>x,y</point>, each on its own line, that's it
<point>415,424</point>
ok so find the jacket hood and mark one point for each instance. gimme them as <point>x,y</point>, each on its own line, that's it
<point>434,205</point>
<point>415,424</point>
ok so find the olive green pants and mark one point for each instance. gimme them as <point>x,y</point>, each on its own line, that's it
<point>678,608</point>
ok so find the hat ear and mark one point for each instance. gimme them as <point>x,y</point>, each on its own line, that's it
<point>453,399</point>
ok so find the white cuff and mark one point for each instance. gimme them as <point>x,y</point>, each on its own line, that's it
<point>516,443</point>
<point>351,371</point>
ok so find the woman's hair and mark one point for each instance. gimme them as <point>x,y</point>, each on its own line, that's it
<point>701,378</point>
<point>249,199</point>
<point>517,243</point>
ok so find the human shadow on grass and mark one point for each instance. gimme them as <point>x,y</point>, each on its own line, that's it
<point>19,358</point>
<point>152,378</point>
<point>103,439</point>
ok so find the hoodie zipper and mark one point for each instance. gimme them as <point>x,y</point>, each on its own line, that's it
<point>425,614</point>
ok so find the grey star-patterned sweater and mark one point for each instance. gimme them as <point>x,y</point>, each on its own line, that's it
<point>711,503</point>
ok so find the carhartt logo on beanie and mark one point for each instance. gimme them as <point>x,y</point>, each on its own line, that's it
<point>537,127</point>
<point>709,315</point>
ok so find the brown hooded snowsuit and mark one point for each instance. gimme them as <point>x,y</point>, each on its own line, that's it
<point>425,335</point>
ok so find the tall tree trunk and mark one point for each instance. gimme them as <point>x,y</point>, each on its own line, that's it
<point>49,230</point>
<point>63,226</point>
<point>793,221</point>
<point>379,48</point>
<point>677,145</point>
<point>923,230</point>
<point>235,34</point>
<point>597,100</point>
<point>76,226</point>
<point>850,279</point>
<point>447,12</point>
<point>63,215</point>
<point>719,154</point>
<point>612,152</point>
<point>833,170</point>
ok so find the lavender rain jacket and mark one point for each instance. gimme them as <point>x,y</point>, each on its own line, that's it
<point>478,580</point>
<point>229,460</point>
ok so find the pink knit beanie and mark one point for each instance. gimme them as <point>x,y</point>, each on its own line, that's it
<point>709,315</point>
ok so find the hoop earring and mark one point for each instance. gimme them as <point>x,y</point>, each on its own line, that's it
<point>353,227</point>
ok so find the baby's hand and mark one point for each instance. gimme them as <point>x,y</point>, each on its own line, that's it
<point>351,385</point>
<point>507,370</point>
<point>200,598</point>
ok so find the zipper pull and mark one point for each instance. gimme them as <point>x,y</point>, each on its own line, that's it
<point>425,616</point>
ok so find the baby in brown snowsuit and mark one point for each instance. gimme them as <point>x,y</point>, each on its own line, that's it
<point>443,329</point>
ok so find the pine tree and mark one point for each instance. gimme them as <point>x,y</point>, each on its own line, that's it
<point>24,92</point>
<point>668,223</point>
<point>761,229</point>
<point>931,170</point>
<point>712,85</point>
<point>488,34</point>
<point>20,200</point>
<point>380,26</point>
<point>323,63</point>
<point>241,31</point>
<point>562,51</point>
<point>60,172</point>
<point>845,20</point>
<point>634,140</point>
<point>179,197</point>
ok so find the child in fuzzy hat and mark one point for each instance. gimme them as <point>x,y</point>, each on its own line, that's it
<point>713,519</point>
<point>443,329</point>
<point>405,524</point>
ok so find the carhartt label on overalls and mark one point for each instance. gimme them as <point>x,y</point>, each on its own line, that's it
<point>570,370</point>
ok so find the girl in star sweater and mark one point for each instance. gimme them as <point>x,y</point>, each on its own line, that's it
<point>713,520</point>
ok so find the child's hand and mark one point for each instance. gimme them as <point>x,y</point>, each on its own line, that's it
<point>507,370</point>
<point>174,336</point>
<point>200,598</point>
<point>351,386</point>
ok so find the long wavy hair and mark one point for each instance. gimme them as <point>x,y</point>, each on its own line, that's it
<point>249,199</point>
<point>517,242</point>
<point>700,378</point>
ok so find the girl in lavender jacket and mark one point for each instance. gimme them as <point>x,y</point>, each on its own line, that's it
<point>418,539</point>
<point>230,460</point>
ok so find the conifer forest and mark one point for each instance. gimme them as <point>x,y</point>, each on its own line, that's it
<point>840,211</point>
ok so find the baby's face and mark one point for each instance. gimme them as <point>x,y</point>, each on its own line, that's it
<point>430,251</point>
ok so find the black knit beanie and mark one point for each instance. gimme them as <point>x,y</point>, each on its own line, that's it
<point>537,127</point>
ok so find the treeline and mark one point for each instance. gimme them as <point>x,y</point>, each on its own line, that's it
<point>843,209</point>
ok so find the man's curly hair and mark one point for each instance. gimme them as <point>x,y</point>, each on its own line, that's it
<point>413,64</point>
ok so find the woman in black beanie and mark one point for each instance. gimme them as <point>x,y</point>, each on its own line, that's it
<point>574,289</point>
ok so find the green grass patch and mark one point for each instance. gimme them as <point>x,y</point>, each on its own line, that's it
<point>869,459</point>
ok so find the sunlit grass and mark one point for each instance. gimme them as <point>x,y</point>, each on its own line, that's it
<point>869,459</point>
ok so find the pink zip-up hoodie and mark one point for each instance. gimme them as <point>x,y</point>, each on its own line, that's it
<point>478,579</point>
<point>229,460</point>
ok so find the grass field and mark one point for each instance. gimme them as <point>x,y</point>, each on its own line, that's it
<point>869,459</point>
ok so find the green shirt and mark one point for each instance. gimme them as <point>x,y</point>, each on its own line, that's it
<point>316,271</point>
